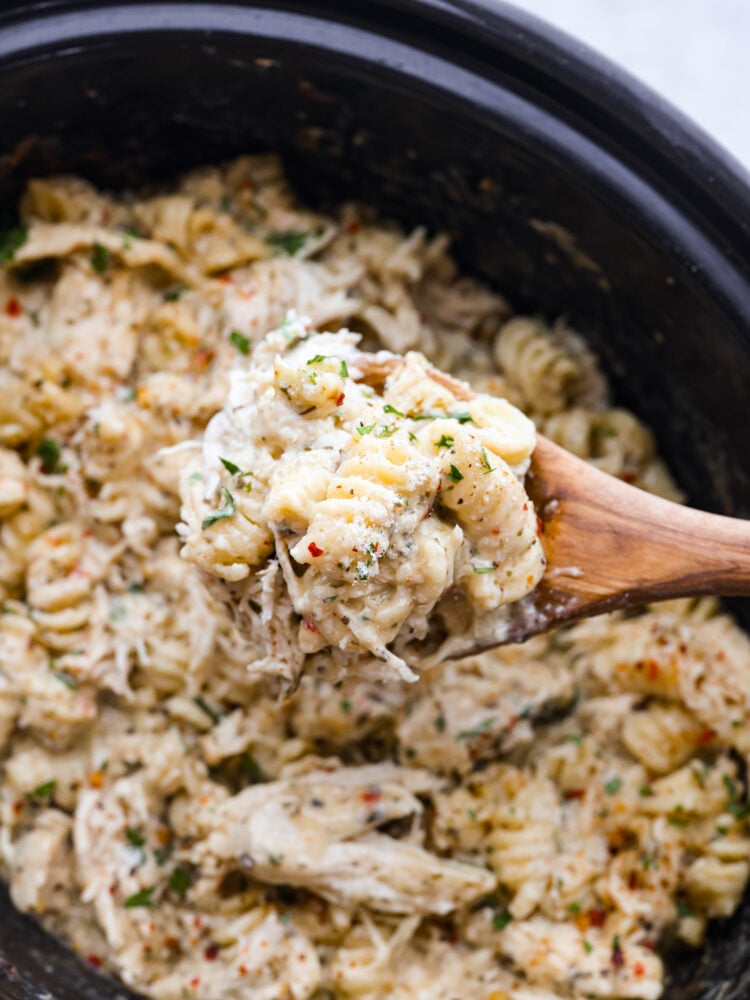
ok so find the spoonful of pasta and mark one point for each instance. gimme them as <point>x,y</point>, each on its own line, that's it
<point>608,545</point>
<point>379,512</point>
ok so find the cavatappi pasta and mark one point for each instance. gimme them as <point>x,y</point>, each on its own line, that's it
<point>525,824</point>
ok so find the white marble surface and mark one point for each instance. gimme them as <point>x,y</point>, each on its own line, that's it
<point>696,53</point>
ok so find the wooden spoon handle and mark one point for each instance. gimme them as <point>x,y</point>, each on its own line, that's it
<point>610,545</point>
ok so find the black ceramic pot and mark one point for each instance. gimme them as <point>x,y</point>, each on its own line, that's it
<point>565,184</point>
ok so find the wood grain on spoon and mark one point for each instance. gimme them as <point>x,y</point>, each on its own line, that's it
<point>610,545</point>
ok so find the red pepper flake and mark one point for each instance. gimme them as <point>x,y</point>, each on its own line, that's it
<point>225,279</point>
<point>539,526</point>
<point>13,308</point>
<point>341,399</point>
<point>242,969</point>
<point>18,807</point>
<point>628,477</point>
<point>96,779</point>
<point>705,737</point>
<point>310,625</point>
<point>525,507</point>
<point>596,917</point>
<point>195,982</point>
<point>353,227</point>
<point>203,358</point>
<point>652,670</point>
<point>370,796</point>
<point>375,546</point>
<point>314,551</point>
<point>95,961</point>
<point>211,953</point>
<point>639,969</point>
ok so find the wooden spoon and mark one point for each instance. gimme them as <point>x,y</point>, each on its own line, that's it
<point>609,545</point>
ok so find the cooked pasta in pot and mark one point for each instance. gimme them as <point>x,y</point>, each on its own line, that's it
<point>210,811</point>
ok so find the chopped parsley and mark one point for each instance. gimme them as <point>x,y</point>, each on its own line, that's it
<point>142,898</point>
<point>330,598</point>
<point>613,786</point>
<point>481,570</point>
<point>486,463</point>
<point>49,452</point>
<point>317,359</point>
<point>446,441</point>
<point>11,241</point>
<point>587,947</point>
<point>455,474</point>
<point>65,678</point>
<point>501,919</point>
<point>366,429</point>
<point>343,370</point>
<point>345,705</point>
<point>173,293</point>
<point>645,791</point>
<point>214,715</point>
<point>101,258</point>
<point>250,766</point>
<point>684,909</point>
<point>240,341</point>
<point>232,469</point>
<point>462,418</point>
<point>440,723</point>
<point>289,242</point>
<point>134,836</point>
<point>276,859</point>
<point>180,880</point>
<point>470,734</point>
<point>45,791</point>
<point>227,509</point>
<point>392,409</point>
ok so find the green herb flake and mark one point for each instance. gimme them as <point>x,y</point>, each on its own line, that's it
<point>501,919</point>
<point>366,429</point>
<point>49,452</point>
<point>574,907</point>
<point>142,898</point>
<point>343,370</point>
<point>486,463</point>
<point>392,409</point>
<point>470,734</point>
<point>613,786</point>
<point>240,341</point>
<point>462,418</point>
<point>134,836</point>
<point>289,242</point>
<point>65,678</point>
<point>135,588</point>
<point>214,715</point>
<point>576,738</point>
<point>587,946</point>
<point>740,810</point>
<point>455,474</point>
<point>173,293</point>
<point>11,241</point>
<point>440,723</point>
<point>317,359</point>
<point>684,909</point>
<point>412,437</point>
<point>101,258</point>
<point>250,766</point>
<point>180,880</point>
<point>481,570</point>
<point>472,814</point>
<point>730,786</point>
<point>446,441</point>
<point>276,859</point>
<point>45,791</point>
<point>227,509</point>
<point>232,469</point>
<point>163,854</point>
<point>645,791</point>
<point>345,705</point>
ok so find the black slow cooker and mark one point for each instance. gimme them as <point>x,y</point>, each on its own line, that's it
<point>568,186</point>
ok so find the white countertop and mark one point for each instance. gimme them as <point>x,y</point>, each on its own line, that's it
<point>696,53</point>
